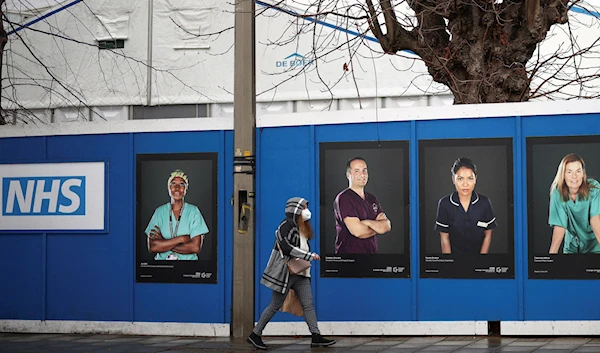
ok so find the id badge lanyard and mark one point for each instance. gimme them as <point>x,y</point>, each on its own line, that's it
<point>171,215</point>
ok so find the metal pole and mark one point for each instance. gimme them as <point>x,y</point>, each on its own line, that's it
<point>150,44</point>
<point>244,122</point>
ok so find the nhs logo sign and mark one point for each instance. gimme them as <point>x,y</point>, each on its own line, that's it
<point>52,196</point>
<point>43,196</point>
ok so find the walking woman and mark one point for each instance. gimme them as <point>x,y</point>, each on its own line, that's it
<point>292,237</point>
<point>574,209</point>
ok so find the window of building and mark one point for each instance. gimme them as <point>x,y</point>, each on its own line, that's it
<point>170,111</point>
<point>111,44</point>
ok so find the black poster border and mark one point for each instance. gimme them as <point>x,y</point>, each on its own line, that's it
<point>490,266</point>
<point>555,266</point>
<point>365,266</point>
<point>199,272</point>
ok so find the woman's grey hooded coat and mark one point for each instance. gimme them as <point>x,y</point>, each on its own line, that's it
<point>276,274</point>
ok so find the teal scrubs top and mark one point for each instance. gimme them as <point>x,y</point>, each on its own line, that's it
<point>191,223</point>
<point>575,216</point>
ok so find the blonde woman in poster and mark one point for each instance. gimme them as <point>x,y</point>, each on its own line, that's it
<point>574,209</point>
<point>176,230</point>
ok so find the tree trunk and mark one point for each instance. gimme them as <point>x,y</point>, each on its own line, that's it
<point>486,58</point>
<point>479,49</point>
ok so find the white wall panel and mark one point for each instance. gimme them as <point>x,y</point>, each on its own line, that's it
<point>274,108</point>
<point>110,113</point>
<point>363,103</point>
<point>221,110</point>
<point>316,105</point>
<point>34,116</point>
<point>401,102</point>
<point>441,100</point>
<point>65,115</point>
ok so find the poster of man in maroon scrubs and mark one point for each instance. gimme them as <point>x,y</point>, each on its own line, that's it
<point>364,208</point>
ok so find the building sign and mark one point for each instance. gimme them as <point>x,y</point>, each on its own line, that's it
<point>293,60</point>
<point>52,196</point>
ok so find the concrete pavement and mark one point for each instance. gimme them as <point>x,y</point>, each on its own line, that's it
<point>99,343</point>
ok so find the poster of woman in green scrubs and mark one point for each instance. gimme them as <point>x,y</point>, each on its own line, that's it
<point>176,209</point>
<point>563,207</point>
<point>574,209</point>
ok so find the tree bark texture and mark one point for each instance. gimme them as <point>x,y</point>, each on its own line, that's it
<point>479,49</point>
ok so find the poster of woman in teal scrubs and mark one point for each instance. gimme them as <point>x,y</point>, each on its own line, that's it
<point>563,207</point>
<point>574,209</point>
<point>176,218</point>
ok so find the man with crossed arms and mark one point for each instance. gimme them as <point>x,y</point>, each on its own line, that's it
<point>358,214</point>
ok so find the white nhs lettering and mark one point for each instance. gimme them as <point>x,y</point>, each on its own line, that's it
<point>44,196</point>
<point>49,197</point>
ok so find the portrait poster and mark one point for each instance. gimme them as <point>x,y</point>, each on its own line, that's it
<point>191,258</point>
<point>544,155</point>
<point>476,222</point>
<point>385,195</point>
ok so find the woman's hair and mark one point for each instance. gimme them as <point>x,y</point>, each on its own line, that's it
<point>463,162</point>
<point>304,227</point>
<point>559,179</point>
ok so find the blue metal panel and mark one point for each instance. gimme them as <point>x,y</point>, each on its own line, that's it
<point>561,300</point>
<point>226,222</point>
<point>555,299</point>
<point>454,299</point>
<point>313,195</point>
<point>415,246</point>
<point>22,149</point>
<point>203,303</point>
<point>298,162</point>
<point>22,277</point>
<point>287,170</point>
<point>380,299</point>
<point>561,125</point>
<point>177,142</point>
<point>520,195</point>
<point>24,296</point>
<point>466,128</point>
<point>363,132</point>
<point>90,276</point>
<point>258,267</point>
<point>364,299</point>
<point>132,224</point>
<point>177,302</point>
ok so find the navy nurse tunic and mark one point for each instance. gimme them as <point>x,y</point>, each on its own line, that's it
<point>466,229</point>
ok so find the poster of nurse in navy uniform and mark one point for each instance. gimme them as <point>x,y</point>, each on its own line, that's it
<point>466,214</point>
